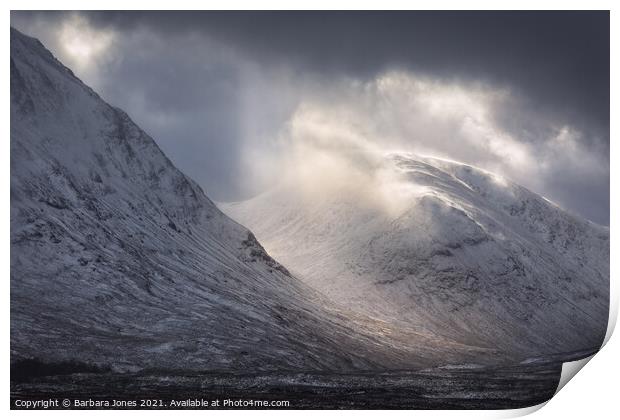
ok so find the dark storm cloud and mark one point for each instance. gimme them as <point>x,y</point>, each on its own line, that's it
<point>556,63</point>
<point>558,59</point>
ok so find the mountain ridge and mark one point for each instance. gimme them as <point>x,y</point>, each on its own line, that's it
<point>468,255</point>
<point>118,259</point>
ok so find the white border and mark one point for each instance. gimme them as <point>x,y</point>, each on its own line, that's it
<point>592,395</point>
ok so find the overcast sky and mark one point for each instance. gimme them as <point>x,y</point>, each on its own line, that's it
<point>226,93</point>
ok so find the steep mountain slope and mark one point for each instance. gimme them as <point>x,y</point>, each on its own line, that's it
<point>118,259</point>
<point>455,251</point>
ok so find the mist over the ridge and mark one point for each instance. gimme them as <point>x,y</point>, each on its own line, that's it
<point>240,101</point>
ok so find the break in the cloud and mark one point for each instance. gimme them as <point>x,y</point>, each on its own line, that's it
<point>353,125</point>
<point>233,97</point>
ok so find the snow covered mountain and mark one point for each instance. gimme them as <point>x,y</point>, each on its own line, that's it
<point>455,252</point>
<point>118,259</point>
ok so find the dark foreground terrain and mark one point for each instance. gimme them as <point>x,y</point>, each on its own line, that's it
<point>455,387</point>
